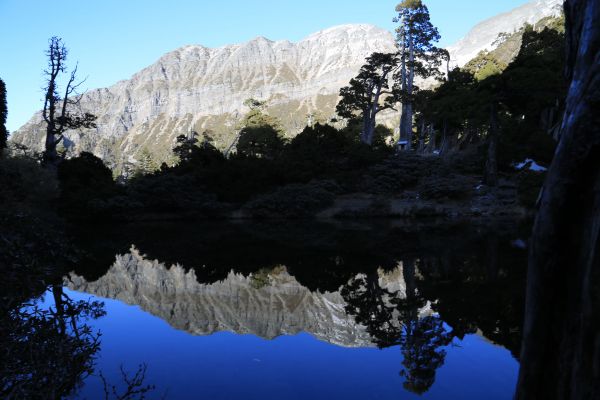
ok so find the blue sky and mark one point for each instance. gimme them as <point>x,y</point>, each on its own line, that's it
<point>113,39</point>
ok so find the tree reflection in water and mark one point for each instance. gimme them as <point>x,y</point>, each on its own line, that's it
<point>423,337</point>
<point>47,352</point>
<point>47,348</point>
<point>444,277</point>
<point>395,320</point>
<point>458,279</point>
<point>422,347</point>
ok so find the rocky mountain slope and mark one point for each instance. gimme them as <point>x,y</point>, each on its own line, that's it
<point>485,34</point>
<point>198,88</point>
<point>265,304</point>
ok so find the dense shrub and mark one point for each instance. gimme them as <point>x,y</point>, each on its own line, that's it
<point>170,193</point>
<point>241,177</point>
<point>399,173</point>
<point>195,158</point>
<point>84,180</point>
<point>25,185</point>
<point>469,161</point>
<point>448,186</point>
<point>293,201</point>
<point>324,152</point>
<point>260,142</point>
<point>315,152</point>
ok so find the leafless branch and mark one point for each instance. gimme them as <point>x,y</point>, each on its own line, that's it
<point>135,388</point>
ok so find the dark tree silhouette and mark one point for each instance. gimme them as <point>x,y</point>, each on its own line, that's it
<point>491,91</point>
<point>422,347</point>
<point>185,146</point>
<point>60,110</point>
<point>260,142</point>
<point>561,341</point>
<point>366,92</point>
<point>134,385</point>
<point>3,113</point>
<point>47,350</point>
<point>394,321</point>
<point>371,306</point>
<point>422,339</point>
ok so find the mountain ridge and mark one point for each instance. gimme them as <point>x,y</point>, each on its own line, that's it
<point>472,43</point>
<point>203,89</point>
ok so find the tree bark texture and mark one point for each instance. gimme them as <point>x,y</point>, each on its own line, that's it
<point>406,118</point>
<point>560,356</point>
<point>491,165</point>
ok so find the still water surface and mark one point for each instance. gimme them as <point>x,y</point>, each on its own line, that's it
<point>293,311</point>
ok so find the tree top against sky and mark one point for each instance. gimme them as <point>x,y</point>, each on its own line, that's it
<point>113,39</point>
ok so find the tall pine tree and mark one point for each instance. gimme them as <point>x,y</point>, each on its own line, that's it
<point>3,112</point>
<point>416,37</point>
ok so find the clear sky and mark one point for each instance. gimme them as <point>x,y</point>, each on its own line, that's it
<point>113,39</point>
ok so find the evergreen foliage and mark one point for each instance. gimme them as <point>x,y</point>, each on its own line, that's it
<point>484,66</point>
<point>262,141</point>
<point>83,180</point>
<point>146,163</point>
<point>416,37</point>
<point>525,98</point>
<point>478,126</point>
<point>368,93</point>
<point>3,114</point>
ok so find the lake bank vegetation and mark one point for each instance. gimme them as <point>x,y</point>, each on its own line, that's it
<point>474,142</point>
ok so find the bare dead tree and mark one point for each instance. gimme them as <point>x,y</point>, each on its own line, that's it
<point>560,356</point>
<point>60,110</point>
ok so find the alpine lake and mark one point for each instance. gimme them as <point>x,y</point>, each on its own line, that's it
<point>300,310</point>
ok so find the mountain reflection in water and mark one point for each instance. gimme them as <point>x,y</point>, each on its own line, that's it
<point>424,293</point>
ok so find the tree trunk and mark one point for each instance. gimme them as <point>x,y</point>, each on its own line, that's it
<point>367,131</point>
<point>406,126</point>
<point>57,294</point>
<point>407,107</point>
<point>491,165</point>
<point>422,130</point>
<point>50,154</point>
<point>371,121</point>
<point>431,145</point>
<point>445,140</point>
<point>561,340</point>
<point>408,274</point>
<point>410,85</point>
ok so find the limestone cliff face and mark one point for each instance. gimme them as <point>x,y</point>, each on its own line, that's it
<point>199,88</point>
<point>484,35</point>
<point>266,304</point>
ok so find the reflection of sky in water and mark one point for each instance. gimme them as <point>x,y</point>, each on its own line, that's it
<point>230,366</point>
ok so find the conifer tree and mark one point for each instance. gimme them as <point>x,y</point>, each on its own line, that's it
<point>146,163</point>
<point>366,92</point>
<point>3,112</point>
<point>185,146</point>
<point>416,37</point>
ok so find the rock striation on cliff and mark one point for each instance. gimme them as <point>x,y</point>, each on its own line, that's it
<point>196,88</point>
